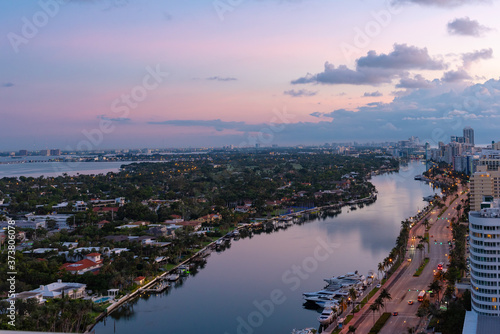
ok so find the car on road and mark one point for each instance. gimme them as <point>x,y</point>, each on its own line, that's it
<point>410,302</point>
<point>379,286</point>
<point>394,313</point>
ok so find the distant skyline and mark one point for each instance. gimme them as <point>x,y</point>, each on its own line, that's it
<point>102,74</point>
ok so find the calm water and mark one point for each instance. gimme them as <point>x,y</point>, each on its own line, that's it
<point>36,169</point>
<point>226,291</point>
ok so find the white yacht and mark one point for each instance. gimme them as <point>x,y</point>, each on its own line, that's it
<point>325,292</point>
<point>320,299</point>
<point>326,316</point>
<point>333,304</point>
<point>348,279</point>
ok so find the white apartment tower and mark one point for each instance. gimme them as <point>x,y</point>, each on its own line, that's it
<point>485,260</point>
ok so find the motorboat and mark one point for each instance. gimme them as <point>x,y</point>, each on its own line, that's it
<point>320,293</point>
<point>333,304</point>
<point>348,279</point>
<point>326,316</point>
<point>173,277</point>
<point>318,299</point>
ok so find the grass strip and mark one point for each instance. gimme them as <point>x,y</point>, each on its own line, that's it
<point>421,268</point>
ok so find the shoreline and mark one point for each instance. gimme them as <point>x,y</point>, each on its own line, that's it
<point>137,293</point>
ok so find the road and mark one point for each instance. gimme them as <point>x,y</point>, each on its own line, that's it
<point>402,285</point>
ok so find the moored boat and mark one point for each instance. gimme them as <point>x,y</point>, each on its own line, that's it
<point>326,316</point>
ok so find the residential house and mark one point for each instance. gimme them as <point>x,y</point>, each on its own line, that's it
<point>139,280</point>
<point>70,245</point>
<point>60,289</point>
<point>92,262</point>
<point>242,209</point>
<point>133,225</point>
<point>102,223</point>
<point>209,218</point>
<point>193,223</point>
<point>104,209</point>
<point>116,238</point>
<point>80,206</point>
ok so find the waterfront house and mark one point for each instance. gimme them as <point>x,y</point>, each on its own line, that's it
<point>139,280</point>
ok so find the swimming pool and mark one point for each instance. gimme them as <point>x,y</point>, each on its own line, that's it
<point>102,300</point>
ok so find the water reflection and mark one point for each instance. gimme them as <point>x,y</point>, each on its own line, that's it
<point>226,287</point>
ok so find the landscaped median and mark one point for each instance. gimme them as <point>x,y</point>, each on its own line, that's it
<point>380,323</point>
<point>421,268</point>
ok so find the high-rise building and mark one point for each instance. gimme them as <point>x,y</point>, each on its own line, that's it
<point>469,135</point>
<point>484,251</point>
<point>485,182</point>
<point>55,152</point>
<point>23,153</point>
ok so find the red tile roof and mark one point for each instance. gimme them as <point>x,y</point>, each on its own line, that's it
<point>80,265</point>
<point>94,254</point>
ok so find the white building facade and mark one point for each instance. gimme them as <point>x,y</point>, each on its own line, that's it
<point>485,260</point>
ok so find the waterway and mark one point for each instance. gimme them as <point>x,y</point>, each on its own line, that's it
<point>256,285</point>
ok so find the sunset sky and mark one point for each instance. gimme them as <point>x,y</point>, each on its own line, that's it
<point>94,74</point>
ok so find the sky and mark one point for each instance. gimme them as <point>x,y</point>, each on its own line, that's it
<point>100,74</point>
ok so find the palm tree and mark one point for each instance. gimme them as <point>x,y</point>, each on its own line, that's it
<point>374,308</point>
<point>426,223</point>
<point>421,248</point>
<point>436,287</point>
<point>385,295</point>
<point>352,295</point>
<point>352,329</point>
<point>342,305</point>
<point>379,302</point>
<point>381,269</point>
